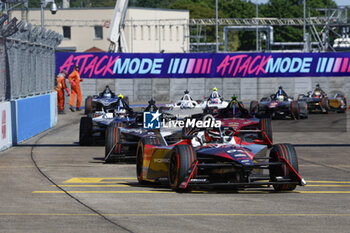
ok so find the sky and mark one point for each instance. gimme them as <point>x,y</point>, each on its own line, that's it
<point>338,2</point>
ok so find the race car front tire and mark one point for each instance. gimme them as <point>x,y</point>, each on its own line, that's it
<point>126,99</point>
<point>112,145</point>
<point>303,109</point>
<point>181,160</point>
<point>85,130</point>
<point>265,126</point>
<point>139,155</point>
<point>287,152</point>
<point>325,105</point>
<point>295,110</point>
<point>88,105</point>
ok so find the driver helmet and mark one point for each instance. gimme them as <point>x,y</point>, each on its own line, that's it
<point>120,111</point>
<point>317,94</point>
<point>214,94</point>
<point>107,95</point>
<point>280,97</point>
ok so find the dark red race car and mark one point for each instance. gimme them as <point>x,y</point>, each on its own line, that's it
<point>244,123</point>
<point>216,157</point>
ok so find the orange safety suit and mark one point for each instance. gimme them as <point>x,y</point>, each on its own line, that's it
<point>61,86</point>
<point>74,80</point>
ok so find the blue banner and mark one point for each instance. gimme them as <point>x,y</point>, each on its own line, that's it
<point>204,65</point>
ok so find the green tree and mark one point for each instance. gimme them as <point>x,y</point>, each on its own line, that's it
<point>291,9</point>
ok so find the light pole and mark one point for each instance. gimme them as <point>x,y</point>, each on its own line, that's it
<point>53,9</point>
<point>257,23</point>
<point>216,26</point>
<point>304,26</point>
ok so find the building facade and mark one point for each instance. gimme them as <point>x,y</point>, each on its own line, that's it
<point>146,30</point>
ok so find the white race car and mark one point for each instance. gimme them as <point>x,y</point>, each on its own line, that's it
<point>215,100</point>
<point>186,102</point>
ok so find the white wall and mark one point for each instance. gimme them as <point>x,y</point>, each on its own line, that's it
<point>140,29</point>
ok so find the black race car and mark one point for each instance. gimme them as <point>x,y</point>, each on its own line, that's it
<point>106,101</point>
<point>122,138</point>
<point>93,126</point>
<point>318,101</point>
<point>279,106</point>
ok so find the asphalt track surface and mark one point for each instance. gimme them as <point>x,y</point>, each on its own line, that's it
<point>50,184</point>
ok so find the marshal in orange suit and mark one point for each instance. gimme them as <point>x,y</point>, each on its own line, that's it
<point>74,80</point>
<point>60,87</point>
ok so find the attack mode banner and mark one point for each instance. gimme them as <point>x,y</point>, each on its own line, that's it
<point>204,65</point>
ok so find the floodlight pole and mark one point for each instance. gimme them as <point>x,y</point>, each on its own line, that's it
<point>257,23</point>
<point>217,26</point>
<point>43,4</point>
<point>304,25</point>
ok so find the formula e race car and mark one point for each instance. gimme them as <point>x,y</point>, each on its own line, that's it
<point>214,157</point>
<point>279,106</point>
<point>93,126</point>
<point>105,101</point>
<point>244,123</point>
<point>186,102</point>
<point>318,102</point>
<point>122,139</point>
<point>214,101</point>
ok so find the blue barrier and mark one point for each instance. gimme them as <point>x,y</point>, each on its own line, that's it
<point>32,116</point>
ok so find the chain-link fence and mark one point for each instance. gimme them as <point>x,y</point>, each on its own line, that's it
<point>27,60</point>
<point>2,71</point>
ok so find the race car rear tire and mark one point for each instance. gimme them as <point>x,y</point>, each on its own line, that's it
<point>253,107</point>
<point>263,111</point>
<point>287,152</point>
<point>265,126</point>
<point>303,109</point>
<point>85,130</point>
<point>112,145</point>
<point>88,105</point>
<point>126,99</point>
<point>180,161</point>
<point>139,155</point>
<point>295,110</point>
<point>325,104</point>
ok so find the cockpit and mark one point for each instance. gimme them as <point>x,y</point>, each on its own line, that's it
<point>213,136</point>
<point>280,97</point>
<point>186,97</point>
<point>215,94</point>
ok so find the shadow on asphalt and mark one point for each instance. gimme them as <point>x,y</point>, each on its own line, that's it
<point>165,188</point>
<point>48,145</point>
